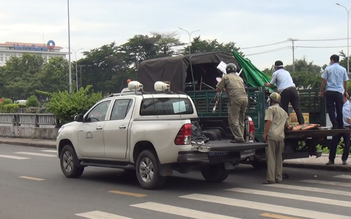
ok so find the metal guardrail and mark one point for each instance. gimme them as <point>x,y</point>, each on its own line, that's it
<point>18,119</point>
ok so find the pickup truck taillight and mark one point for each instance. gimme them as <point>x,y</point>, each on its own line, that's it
<point>184,135</point>
<point>251,127</point>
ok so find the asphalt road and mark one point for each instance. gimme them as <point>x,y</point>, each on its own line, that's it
<point>33,187</point>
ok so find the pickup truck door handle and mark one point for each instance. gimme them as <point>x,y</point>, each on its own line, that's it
<point>122,127</point>
<point>99,128</point>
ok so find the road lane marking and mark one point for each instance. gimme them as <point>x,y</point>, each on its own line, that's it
<point>292,197</point>
<point>278,216</point>
<point>327,183</point>
<point>14,157</point>
<point>263,206</point>
<point>310,189</point>
<point>31,178</point>
<point>179,211</point>
<point>101,215</point>
<point>139,195</point>
<point>50,151</point>
<point>343,176</point>
<point>37,154</point>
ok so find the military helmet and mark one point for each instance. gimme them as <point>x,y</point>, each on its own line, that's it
<point>231,67</point>
<point>275,97</point>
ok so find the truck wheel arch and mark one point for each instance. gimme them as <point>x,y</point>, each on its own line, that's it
<point>141,146</point>
<point>63,143</point>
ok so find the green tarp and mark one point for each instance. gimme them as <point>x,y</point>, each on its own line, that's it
<point>254,77</point>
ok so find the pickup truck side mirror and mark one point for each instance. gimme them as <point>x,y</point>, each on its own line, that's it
<point>78,118</point>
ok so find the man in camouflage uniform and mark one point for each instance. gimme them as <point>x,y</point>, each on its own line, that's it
<point>233,85</point>
<point>276,121</point>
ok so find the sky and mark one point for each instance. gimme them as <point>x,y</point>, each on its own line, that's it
<point>261,29</point>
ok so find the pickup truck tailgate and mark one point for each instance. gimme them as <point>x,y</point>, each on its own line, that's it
<point>225,145</point>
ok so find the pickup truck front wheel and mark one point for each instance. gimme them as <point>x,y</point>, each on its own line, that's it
<point>214,172</point>
<point>69,163</point>
<point>147,170</point>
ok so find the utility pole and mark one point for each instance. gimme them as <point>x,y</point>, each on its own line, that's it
<point>81,79</point>
<point>293,52</point>
<point>69,54</point>
<point>189,34</point>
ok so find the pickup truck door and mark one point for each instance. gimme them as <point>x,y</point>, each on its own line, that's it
<point>116,129</point>
<point>90,132</point>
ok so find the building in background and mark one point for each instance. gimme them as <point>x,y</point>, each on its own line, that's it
<point>47,51</point>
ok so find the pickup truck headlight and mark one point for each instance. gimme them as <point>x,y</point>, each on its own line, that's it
<point>60,129</point>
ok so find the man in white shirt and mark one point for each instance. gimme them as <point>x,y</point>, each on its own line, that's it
<point>286,89</point>
<point>346,111</point>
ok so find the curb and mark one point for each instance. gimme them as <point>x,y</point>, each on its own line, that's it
<point>32,144</point>
<point>335,167</point>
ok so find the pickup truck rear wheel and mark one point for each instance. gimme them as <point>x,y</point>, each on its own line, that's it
<point>214,172</point>
<point>147,170</point>
<point>69,163</point>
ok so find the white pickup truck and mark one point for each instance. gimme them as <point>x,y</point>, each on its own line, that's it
<point>149,133</point>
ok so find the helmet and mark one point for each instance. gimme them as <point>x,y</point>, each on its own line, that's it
<point>275,97</point>
<point>231,67</point>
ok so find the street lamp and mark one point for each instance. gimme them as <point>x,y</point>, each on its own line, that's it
<point>189,37</point>
<point>348,56</point>
<point>69,54</point>
<point>75,57</point>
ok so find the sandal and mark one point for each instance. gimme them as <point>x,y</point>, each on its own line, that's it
<point>268,182</point>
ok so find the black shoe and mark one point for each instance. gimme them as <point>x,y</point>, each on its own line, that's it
<point>237,141</point>
<point>330,162</point>
<point>344,162</point>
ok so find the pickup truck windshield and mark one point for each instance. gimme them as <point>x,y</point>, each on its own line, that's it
<point>166,106</point>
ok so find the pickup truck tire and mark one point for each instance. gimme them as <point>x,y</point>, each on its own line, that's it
<point>69,163</point>
<point>258,164</point>
<point>214,172</point>
<point>147,170</point>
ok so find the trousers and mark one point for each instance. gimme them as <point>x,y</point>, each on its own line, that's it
<point>236,117</point>
<point>274,157</point>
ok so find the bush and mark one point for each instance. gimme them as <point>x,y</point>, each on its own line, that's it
<point>65,107</point>
<point>33,101</point>
<point>9,108</point>
<point>6,101</point>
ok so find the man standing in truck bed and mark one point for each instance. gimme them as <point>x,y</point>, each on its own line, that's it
<point>233,85</point>
<point>286,89</point>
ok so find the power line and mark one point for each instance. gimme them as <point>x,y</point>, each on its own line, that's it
<point>265,45</point>
<point>319,47</point>
<point>323,39</point>
<point>268,51</point>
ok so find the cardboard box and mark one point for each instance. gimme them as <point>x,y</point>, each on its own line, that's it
<point>293,118</point>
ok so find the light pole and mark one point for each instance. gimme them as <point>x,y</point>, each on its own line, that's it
<point>69,54</point>
<point>75,57</point>
<point>348,56</point>
<point>189,37</point>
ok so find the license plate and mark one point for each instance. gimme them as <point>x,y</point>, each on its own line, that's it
<point>217,153</point>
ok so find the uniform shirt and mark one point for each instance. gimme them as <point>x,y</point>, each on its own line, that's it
<point>283,79</point>
<point>335,76</point>
<point>346,111</point>
<point>234,86</point>
<point>279,119</point>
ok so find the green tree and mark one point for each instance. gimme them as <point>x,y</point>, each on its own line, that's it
<point>202,46</point>
<point>65,107</point>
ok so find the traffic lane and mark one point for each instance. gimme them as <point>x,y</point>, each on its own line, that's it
<point>72,196</point>
<point>97,182</point>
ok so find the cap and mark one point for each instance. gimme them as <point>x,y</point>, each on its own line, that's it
<point>275,97</point>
